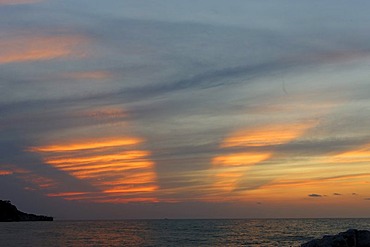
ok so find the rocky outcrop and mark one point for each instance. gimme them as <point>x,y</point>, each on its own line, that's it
<point>9,212</point>
<point>350,238</point>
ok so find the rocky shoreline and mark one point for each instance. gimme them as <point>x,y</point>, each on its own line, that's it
<point>10,213</point>
<point>350,238</point>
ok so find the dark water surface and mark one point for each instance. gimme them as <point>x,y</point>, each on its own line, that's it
<point>244,232</point>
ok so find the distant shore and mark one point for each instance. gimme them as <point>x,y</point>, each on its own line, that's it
<point>10,213</point>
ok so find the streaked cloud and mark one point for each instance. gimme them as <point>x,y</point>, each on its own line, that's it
<point>16,2</point>
<point>88,144</point>
<point>103,113</point>
<point>32,180</point>
<point>115,167</point>
<point>26,47</point>
<point>362,154</point>
<point>294,189</point>
<point>89,75</point>
<point>227,178</point>
<point>4,172</point>
<point>240,159</point>
<point>267,135</point>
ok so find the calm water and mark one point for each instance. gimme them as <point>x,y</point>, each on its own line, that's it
<point>274,232</point>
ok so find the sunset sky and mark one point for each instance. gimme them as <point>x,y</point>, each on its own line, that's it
<point>185,109</point>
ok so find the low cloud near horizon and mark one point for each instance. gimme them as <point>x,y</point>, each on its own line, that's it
<point>315,195</point>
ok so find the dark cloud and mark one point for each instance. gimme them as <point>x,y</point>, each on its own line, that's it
<point>315,195</point>
<point>337,194</point>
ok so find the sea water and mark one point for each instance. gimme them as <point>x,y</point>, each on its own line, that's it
<point>233,232</point>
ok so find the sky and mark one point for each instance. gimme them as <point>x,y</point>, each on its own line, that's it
<point>128,109</point>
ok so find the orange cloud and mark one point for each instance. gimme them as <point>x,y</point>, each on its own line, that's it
<point>3,172</point>
<point>26,48</point>
<point>66,194</point>
<point>114,173</point>
<point>129,189</point>
<point>227,179</point>
<point>300,183</point>
<point>89,75</point>
<point>299,189</point>
<point>34,180</point>
<point>128,155</point>
<point>230,169</point>
<point>267,135</point>
<point>88,144</point>
<point>362,154</point>
<point>96,171</point>
<point>234,166</point>
<point>126,200</point>
<point>240,159</point>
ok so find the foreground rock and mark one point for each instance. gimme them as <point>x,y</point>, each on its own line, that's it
<point>350,238</point>
<point>9,212</point>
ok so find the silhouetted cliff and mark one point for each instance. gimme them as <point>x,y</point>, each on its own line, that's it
<point>9,212</point>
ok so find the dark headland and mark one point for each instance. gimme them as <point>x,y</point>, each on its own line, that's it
<point>350,238</point>
<point>9,212</point>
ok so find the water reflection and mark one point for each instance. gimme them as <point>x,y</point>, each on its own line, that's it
<point>268,232</point>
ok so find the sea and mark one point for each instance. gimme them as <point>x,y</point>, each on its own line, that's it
<point>174,232</point>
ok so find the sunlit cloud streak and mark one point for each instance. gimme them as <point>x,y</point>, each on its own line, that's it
<point>228,178</point>
<point>115,167</point>
<point>267,135</point>
<point>241,159</point>
<point>26,47</point>
<point>4,172</point>
<point>31,179</point>
<point>92,144</point>
<point>359,155</point>
<point>294,189</point>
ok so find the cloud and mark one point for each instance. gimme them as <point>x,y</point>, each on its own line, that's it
<point>232,168</point>
<point>187,73</point>
<point>88,75</point>
<point>5,172</point>
<point>240,159</point>
<point>337,194</point>
<point>267,135</point>
<point>87,144</point>
<point>360,154</point>
<point>17,48</point>
<point>320,180</point>
<point>314,195</point>
<point>16,2</point>
<point>119,176</point>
